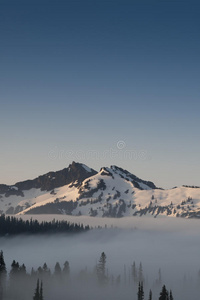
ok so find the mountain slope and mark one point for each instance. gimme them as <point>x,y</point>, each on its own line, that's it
<point>23,194</point>
<point>113,192</point>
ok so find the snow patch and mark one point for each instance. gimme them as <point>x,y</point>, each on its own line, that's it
<point>89,170</point>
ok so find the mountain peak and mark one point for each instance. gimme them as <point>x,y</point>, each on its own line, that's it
<point>111,192</point>
<point>54,179</point>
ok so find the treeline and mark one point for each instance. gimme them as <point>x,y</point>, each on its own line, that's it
<point>13,226</point>
<point>42,283</point>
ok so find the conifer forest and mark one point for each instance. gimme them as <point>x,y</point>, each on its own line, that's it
<point>43,283</point>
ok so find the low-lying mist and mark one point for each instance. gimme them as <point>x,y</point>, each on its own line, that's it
<point>166,244</point>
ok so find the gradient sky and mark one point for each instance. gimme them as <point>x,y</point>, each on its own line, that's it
<point>103,83</point>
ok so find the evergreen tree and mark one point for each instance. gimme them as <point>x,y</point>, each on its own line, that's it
<point>66,268</point>
<point>140,293</point>
<point>57,269</point>
<point>14,270</point>
<point>46,270</point>
<point>37,292</point>
<point>2,275</point>
<point>101,269</point>
<point>140,273</point>
<point>170,296</point>
<point>150,295</point>
<point>164,295</point>
<point>14,286</point>
<point>41,292</point>
<point>134,272</point>
<point>2,266</point>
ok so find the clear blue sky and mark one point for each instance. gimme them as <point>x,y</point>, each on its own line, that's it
<point>77,77</point>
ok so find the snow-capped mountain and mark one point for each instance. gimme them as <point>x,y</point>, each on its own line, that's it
<point>112,192</point>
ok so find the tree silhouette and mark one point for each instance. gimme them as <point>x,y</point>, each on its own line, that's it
<point>57,269</point>
<point>41,292</point>
<point>37,292</point>
<point>140,291</point>
<point>170,296</point>
<point>2,275</point>
<point>140,273</point>
<point>150,295</point>
<point>134,272</point>
<point>164,295</point>
<point>66,268</point>
<point>101,269</point>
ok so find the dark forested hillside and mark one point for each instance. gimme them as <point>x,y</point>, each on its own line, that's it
<point>13,226</point>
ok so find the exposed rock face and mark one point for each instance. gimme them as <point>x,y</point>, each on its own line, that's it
<point>76,172</point>
<point>59,207</point>
<point>134,179</point>
<point>4,188</point>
